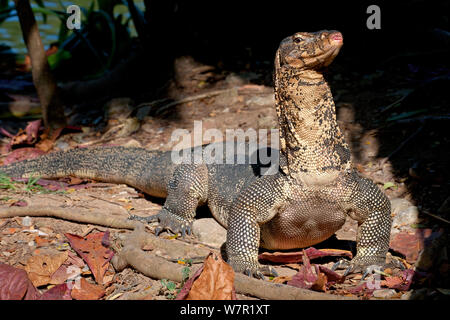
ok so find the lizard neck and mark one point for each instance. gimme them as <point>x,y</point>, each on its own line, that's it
<point>311,141</point>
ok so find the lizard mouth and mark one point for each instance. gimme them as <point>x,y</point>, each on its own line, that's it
<point>337,37</point>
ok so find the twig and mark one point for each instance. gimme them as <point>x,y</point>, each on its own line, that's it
<point>424,118</point>
<point>402,144</point>
<point>184,100</point>
<point>435,216</point>
<point>111,202</point>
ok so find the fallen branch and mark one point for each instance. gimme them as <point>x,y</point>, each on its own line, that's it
<point>159,268</point>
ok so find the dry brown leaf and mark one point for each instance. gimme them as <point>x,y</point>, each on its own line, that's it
<point>40,242</point>
<point>40,268</point>
<point>94,250</point>
<point>216,281</point>
<point>281,279</point>
<point>44,145</point>
<point>87,291</point>
<point>70,269</point>
<point>321,282</point>
<point>22,154</point>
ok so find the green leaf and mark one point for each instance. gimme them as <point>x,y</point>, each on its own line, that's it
<point>388,185</point>
<point>444,291</point>
<point>185,272</point>
<point>170,285</point>
<point>418,226</point>
<point>55,59</point>
<point>40,3</point>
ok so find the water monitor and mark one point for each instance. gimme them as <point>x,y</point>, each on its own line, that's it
<point>303,203</point>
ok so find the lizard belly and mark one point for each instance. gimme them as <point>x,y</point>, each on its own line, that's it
<point>303,222</point>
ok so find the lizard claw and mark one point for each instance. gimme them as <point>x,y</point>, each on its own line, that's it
<point>186,229</point>
<point>173,223</point>
<point>253,270</point>
<point>366,265</point>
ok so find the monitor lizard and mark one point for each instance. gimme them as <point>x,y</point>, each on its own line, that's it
<point>303,203</point>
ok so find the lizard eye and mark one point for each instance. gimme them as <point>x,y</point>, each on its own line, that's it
<point>297,39</point>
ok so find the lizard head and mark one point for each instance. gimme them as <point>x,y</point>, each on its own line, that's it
<point>309,51</point>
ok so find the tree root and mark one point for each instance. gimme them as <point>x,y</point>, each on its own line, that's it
<point>159,268</point>
<point>72,214</point>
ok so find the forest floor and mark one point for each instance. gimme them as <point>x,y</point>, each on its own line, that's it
<point>404,149</point>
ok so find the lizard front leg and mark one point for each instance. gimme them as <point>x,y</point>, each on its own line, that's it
<point>187,188</point>
<point>372,209</point>
<point>255,205</point>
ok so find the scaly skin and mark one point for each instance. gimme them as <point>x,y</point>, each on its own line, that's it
<point>303,203</point>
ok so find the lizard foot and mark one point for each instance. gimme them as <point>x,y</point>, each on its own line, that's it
<point>167,221</point>
<point>366,265</point>
<point>254,270</point>
<point>173,223</point>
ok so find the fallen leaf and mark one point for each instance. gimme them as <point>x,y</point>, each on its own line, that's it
<point>45,145</point>
<point>213,281</point>
<point>40,242</point>
<point>32,130</point>
<point>75,260</point>
<point>70,269</point>
<point>402,283</point>
<point>411,244</point>
<point>40,268</point>
<point>92,249</point>
<point>391,282</point>
<point>87,291</point>
<point>15,284</point>
<point>6,133</point>
<point>332,277</point>
<point>321,282</point>
<point>308,275</point>
<point>388,185</point>
<point>361,288</point>
<point>22,154</point>
<point>10,230</point>
<point>20,203</point>
<point>47,184</point>
<point>294,257</point>
<point>281,279</point>
<point>108,278</point>
<point>57,132</point>
<point>75,180</point>
<point>58,292</point>
<point>19,138</point>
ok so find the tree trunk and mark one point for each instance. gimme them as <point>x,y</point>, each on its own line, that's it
<point>47,90</point>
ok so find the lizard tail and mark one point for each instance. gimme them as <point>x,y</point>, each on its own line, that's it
<point>146,170</point>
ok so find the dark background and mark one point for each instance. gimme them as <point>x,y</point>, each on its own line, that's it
<point>233,30</point>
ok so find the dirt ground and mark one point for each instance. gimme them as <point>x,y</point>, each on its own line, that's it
<point>408,165</point>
